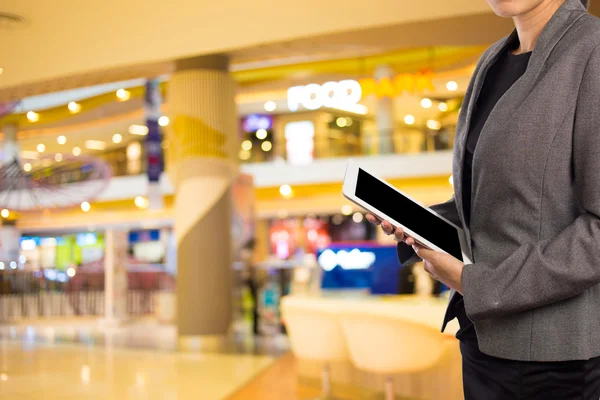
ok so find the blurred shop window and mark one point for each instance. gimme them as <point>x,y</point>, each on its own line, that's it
<point>345,229</point>
<point>134,158</point>
<point>300,142</point>
<point>257,142</point>
<point>343,138</point>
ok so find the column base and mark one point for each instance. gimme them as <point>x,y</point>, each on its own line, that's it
<point>203,343</point>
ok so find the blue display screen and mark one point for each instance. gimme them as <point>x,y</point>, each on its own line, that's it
<point>360,266</point>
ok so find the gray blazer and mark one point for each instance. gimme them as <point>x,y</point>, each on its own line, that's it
<point>533,290</point>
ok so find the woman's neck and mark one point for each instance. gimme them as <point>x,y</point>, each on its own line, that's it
<point>531,23</point>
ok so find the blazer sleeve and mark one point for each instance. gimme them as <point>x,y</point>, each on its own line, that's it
<point>448,210</point>
<point>555,269</point>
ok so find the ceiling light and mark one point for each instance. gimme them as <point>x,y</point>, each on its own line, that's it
<point>246,145</point>
<point>5,213</point>
<point>452,86</point>
<point>443,107</point>
<point>347,209</point>
<point>76,151</point>
<point>61,139</point>
<point>26,167</point>
<point>434,125</point>
<point>285,190</point>
<point>357,217</point>
<point>71,272</point>
<point>123,94</point>
<point>33,116</point>
<point>261,134</point>
<point>409,119</point>
<point>341,122</point>
<point>1,71</point>
<point>270,106</point>
<point>85,206</point>
<point>141,130</point>
<point>73,107</point>
<point>41,148</point>
<point>426,103</point>
<point>141,202</point>
<point>117,138</point>
<point>244,155</point>
<point>163,121</point>
<point>266,146</point>
<point>95,145</point>
<point>58,157</point>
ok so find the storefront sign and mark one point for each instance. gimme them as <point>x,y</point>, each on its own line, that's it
<point>254,122</point>
<point>348,260</point>
<point>342,95</point>
<point>392,87</point>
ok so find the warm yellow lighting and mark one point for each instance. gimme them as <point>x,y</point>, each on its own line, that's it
<point>117,138</point>
<point>270,106</point>
<point>434,125</point>
<point>5,213</point>
<point>58,157</point>
<point>285,190</point>
<point>71,272</point>
<point>123,94</point>
<point>76,151</point>
<point>347,209</point>
<point>261,134</point>
<point>409,119</point>
<point>452,86</point>
<point>85,206</point>
<point>95,145</point>
<point>341,122</point>
<point>134,151</point>
<point>141,202</point>
<point>266,146</point>
<point>27,167</point>
<point>443,107</point>
<point>426,103</point>
<point>41,148</point>
<point>61,139</point>
<point>33,116</point>
<point>74,108</point>
<point>140,130</point>
<point>244,155</point>
<point>357,217</point>
<point>163,121</point>
<point>1,71</point>
<point>451,180</point>
<point>246,145</point>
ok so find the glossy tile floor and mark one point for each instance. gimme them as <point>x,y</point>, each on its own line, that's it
<point>86,359</point>
<point>29,370</point>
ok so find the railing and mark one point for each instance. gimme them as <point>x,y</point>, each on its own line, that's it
<point>31,295</point>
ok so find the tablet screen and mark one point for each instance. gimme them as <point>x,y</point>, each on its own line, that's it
<point>408,213</point>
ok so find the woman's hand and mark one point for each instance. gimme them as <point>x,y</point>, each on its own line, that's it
<point>442,267</point>
<point>389,230</point>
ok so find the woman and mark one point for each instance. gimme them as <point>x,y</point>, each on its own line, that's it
<point>527,192</point>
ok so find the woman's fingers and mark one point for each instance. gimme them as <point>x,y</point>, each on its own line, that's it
<point>373,219</point>
<point>387,228</point>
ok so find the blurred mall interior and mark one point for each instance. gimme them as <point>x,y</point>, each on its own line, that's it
<point>172,223</point>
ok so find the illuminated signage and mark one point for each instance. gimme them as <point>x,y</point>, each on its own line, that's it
<point>391,87</point>
<point>300,142</point>
<point>347,260</point>
<point>343,95</point>
<point>254,122</point>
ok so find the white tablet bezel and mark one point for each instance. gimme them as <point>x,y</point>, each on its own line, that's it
<point>349,190</point>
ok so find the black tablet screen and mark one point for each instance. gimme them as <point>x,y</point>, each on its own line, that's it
<point>408,213</point>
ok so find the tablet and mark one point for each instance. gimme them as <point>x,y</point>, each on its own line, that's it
<point>388,203</point>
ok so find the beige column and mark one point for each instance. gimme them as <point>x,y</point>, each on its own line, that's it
<point>202,140</point>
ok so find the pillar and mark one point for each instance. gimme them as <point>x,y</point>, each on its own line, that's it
<point>115,276</point>
<point>10,150</point>
<point>202,143</point>
<point>385,114</point>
